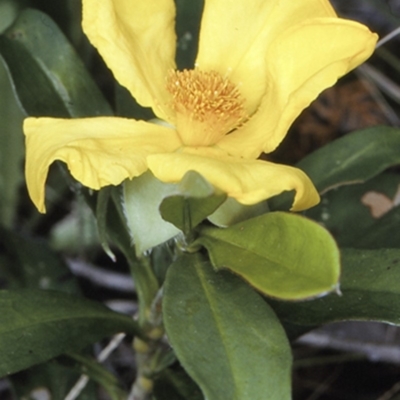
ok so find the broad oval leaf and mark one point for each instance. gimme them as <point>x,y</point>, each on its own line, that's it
<point>354,158</point>
<point>141,201</point>
<point>48,77</point>
<point>370,292</point>
<point>232,212</point>
<point>11,151</point>
<point>221,329</point>
<point>113,222</point>
<point>282,255</point>
<point>366,215</point>
<point>195,200</point>
<point>37,325</point>
<point>101,217</point>
<point>157,211</point>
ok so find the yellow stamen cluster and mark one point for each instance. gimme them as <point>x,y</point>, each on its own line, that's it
<point>206,104</point>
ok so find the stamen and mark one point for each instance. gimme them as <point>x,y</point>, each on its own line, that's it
<point>206,104</point>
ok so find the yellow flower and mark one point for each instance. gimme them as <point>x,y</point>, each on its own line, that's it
<point>259,64</point>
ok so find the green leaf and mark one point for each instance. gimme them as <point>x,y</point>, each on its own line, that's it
<point>195,201</point>
<point>101,217</point>
<point>48,77</point>
<point>282,255</point>
<point>370,292</point>
<point>141,200</point>
<point>145,280</point>
<point>354,158</point>
<point>220,329</point>
<point>8,11</point>
<point>38,325</point>
<point>232,212</point>
<point>12,150</point>
<point>383,234</point>
<point>351,213</point>
<point>161,258</point>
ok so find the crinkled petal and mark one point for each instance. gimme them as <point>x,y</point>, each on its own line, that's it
<point>98,151</point>
<point>136,39</point>
<point>248,181</point>
<point>302,63</point>
<point>234,38</point>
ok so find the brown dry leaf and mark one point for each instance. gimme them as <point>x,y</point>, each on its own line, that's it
<point>379,204</point>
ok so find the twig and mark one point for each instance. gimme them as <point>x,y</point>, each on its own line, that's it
<point>102,277</point>
<point>324,386</point>
<point>381,80</point>
<point>375,352</point>
<point>388,37</point>
<point>122,306</point>
<point>114,343</point>
<point>77,388</point>
<point>391,392</point>
<point>103,355</point>
<point>375,92</point>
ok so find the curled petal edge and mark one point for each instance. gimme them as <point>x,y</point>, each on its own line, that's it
<point>98,151</point>
<point>247,181</point>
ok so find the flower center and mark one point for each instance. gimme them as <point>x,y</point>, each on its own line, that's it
<point>207,106</point>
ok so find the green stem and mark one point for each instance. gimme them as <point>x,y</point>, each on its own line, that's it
<point>148,352</point>
<point>146,285</point>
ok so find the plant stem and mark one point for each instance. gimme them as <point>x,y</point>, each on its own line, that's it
<point>148,353</point>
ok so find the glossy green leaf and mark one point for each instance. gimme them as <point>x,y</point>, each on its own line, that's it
<point>370,292</point>
<point>12,150</point>
<point>195,201</point>
<point>8,12</point>
<point>38,325</point>
<point>66,14</point>
<point>48,77</point>
<point>101,217</point>
<point>365,215</point>
<point>161,258</point>
<point>232,212</point>
<point>282,255</point>
<point>141,199</point>
<point>144,278</point>
<point>228,341</point>
<point>383,234</point>
<point>354,158</point>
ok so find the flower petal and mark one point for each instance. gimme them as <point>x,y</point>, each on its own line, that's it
<point>236,45</point>
<point>304,61</point>
<point>248,181</point>
<point>136,39</point>
<point>98,151</point>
